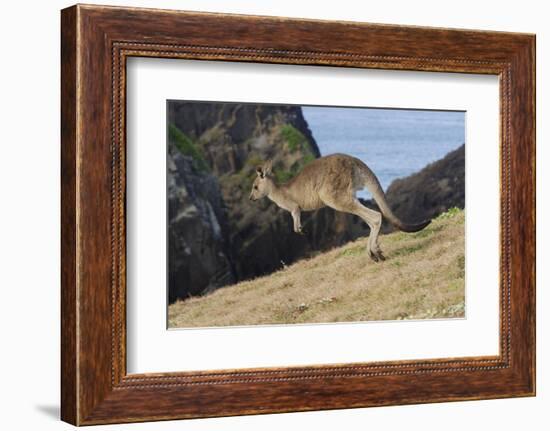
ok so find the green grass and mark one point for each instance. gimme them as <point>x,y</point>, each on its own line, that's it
<point>254,161</point>
<point>422,278</point>
<point>296,141</point>
<point>187,147</point>
<point>282,176</point>
<point>354,251</point>
<point>450,213</point>
<point>404,251</point>
<point>294,138</point>
<point>308,158</point>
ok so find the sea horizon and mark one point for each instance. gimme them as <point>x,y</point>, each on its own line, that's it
<point>394,143</point>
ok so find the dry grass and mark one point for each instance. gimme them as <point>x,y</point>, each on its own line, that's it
<point>422,278</point>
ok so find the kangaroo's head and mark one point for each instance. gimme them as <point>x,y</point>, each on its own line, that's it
<point>263,184</point>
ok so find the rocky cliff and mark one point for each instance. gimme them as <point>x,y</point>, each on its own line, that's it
<point>216,235</point>
<point>431,191</point>
<point>199,253</point>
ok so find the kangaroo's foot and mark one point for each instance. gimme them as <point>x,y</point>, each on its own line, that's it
<point>373,256</point>
<point>296,221</point>
<point>376,255</point>
<point>374,221</point>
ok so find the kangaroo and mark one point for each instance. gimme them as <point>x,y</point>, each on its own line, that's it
<point>331,181</point>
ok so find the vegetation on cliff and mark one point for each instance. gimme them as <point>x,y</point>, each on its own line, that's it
<point>187,147</point>
<point>216,234</point>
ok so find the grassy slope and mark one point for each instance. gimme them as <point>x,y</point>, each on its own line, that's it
<point>423,277</point>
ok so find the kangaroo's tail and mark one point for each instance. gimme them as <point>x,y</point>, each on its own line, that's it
<point>373,185</point>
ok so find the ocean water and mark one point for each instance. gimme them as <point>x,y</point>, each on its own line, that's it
<point>394,143</point>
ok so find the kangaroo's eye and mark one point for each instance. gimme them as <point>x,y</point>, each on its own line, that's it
<point>255,187</point>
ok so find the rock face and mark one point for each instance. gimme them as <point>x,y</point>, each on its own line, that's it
<point>232,134</point>
<point>198,251</point>
<point>216,235</point>
<point>432,191</point>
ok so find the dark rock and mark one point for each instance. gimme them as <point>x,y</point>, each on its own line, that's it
<point>232,133</point>
<point>199,256</point>
<point>432,191</point>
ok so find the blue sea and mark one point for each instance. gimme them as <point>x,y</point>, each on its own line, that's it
<point>394,143</point>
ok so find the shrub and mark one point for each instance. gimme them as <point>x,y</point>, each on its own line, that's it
<point>282,176</point>
<point>187,147</point>
<point>294,138</point>
<point>450,213</point>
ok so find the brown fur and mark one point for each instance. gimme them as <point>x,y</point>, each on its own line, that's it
<point>331,181</point>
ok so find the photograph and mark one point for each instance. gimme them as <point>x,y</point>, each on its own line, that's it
<point>301,214</point>
<point>281,213</point>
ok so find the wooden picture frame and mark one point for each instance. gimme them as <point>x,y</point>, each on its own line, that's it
<point>95,43</point>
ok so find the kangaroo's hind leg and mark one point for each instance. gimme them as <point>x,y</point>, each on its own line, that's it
<point>374,220</point>
<point>371,217</point>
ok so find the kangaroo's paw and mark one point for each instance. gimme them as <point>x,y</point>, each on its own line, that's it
<point>373,256</point>
<point>299,231</point>
<point>380,255</point>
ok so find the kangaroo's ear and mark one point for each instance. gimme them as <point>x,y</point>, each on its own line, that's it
<point>260,171</point>
<point>268,166</point>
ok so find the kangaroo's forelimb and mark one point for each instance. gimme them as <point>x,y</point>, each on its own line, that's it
<point>295,212</point>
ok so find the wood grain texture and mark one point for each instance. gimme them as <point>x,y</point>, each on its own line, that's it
<point>96,41</point>
<point>69,397</point>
